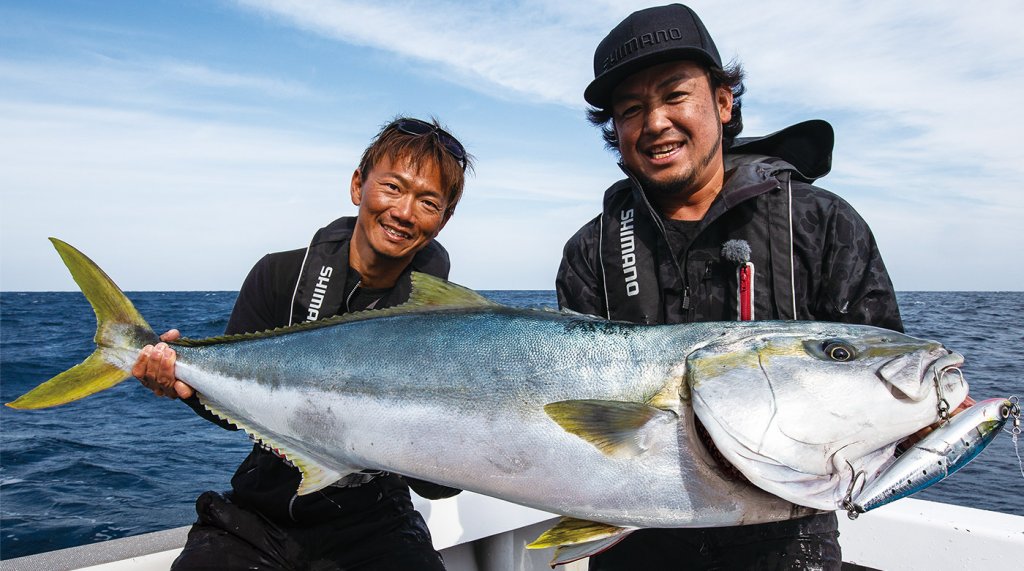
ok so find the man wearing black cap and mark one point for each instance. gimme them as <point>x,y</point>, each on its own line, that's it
<point>711,227</point>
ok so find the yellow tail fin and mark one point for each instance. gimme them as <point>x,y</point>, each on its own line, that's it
<point>118,326</point>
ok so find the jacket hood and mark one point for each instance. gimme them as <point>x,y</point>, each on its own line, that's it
<point>804,148</point>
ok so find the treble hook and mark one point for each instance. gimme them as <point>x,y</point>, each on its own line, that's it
<point>943,404</point>
<point>852,511</point>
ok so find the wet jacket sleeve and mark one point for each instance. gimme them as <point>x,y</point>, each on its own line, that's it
<point>855,286</point>
<point>578,282</point>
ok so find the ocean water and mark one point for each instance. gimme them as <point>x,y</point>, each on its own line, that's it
<point>123,462</point>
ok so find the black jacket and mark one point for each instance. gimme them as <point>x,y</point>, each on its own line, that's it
<point>277,292</point>
<point>830,270</point>
<point>624,265</point>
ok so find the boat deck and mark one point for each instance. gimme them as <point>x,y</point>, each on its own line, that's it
<point>478,533</point>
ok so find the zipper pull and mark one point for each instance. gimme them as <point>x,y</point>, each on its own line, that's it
<point>686,297</point>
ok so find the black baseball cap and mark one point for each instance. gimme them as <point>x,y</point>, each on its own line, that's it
<point>645,38</point>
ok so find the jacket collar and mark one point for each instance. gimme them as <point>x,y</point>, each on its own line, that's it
<point>805,149</point>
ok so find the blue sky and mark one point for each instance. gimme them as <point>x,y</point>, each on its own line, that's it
<point>177,142</point>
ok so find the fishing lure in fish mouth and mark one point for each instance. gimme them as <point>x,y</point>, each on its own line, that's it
<point>942,452</point>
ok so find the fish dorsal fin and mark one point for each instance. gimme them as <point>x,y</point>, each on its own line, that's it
<point>428,293</point>
<point>618,429</point>
<point>315,475</point>
<point>431,291</point>
<point>574,313</point>
<point>578,538</point>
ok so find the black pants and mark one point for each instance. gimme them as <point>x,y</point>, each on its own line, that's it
<point>807,543</point>
<point>390,536</point>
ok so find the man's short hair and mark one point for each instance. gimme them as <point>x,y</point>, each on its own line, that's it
<point>396,145</point>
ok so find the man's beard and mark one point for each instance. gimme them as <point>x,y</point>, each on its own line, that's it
<point>682,184</point>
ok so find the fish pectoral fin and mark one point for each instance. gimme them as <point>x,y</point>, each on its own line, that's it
<point>578,538</point>
<point>618,429</point>
<point>315,476</point>
<point>572,531</point>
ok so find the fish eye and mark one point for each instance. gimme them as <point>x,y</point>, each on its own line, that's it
<point>838,351</point>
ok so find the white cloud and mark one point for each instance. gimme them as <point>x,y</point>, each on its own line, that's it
<point>155,147</point>
<point>928,77</point>
<point>920,93</point>
<point>165,84</point>
<point>157,193</point>
<point>533,48</point>
<point>142,182</point>
<point>551,181</point>
<point>194,74</point>
<point>920,96</point>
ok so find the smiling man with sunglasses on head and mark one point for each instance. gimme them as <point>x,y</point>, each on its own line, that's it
<point>406,187</point>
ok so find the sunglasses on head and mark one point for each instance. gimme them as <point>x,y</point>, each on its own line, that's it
<point>416,127</point>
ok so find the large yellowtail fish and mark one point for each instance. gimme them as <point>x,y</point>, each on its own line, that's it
<point>614,425</point>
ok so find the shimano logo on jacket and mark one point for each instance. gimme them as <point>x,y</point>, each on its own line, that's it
<point>628,244</point>
<point>319,291</point>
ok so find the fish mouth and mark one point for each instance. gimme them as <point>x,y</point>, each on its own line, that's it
<point>948,379</point>
<point>946,362</point>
